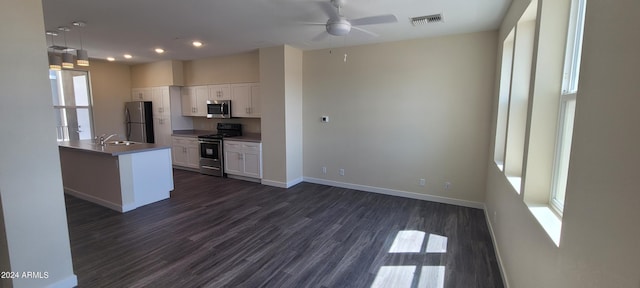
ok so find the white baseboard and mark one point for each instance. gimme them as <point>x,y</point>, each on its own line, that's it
<point>71,281</point>
<point>282,184</point>
<point>495,248</point>
<point>399,193</point>
<point>256,180</point>
<point>97,200</point>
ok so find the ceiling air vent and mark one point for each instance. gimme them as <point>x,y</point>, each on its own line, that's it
<point>435,18</point>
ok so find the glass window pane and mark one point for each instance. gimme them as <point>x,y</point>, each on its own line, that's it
<point>54,76</point>
<point>72,102</point>
<point>84,124</point>
<point>81,91</point>
<point>564,152</point>
<point>61,124</point>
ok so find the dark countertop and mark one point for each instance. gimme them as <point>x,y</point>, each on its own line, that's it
<point>113,150</point>
<point>247,137</point>
<point>191,133</point>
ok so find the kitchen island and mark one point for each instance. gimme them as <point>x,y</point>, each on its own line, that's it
<point>118,176</point>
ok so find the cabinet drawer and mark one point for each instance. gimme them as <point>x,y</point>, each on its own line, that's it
<point>184,141</point>
<point>251,147</point>
<point>232,146</point>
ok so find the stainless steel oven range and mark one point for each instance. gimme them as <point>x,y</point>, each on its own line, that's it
<point>211,153</point>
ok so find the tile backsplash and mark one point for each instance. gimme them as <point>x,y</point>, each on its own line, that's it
<point>249,125</point>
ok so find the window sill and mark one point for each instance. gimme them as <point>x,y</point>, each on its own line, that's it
<point>548,219</point>
<point>516,182</point>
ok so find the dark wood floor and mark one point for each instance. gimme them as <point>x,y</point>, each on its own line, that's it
<point>216,232</point>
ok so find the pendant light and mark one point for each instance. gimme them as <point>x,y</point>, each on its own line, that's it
<point>55,63</point>
<point>81,54</point>
<point>67,59</point>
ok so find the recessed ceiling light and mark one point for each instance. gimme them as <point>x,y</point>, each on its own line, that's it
<point>197,43</point>
<point>111,59</point>
<point>159,50</point>
<point>128,56</point>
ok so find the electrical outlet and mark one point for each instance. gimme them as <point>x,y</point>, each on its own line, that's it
<point>341,172</point>
<point>447,186</point>
<point>324,170</point>
<point>422,182</point>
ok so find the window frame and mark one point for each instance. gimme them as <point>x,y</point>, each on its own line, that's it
<point>570,80</point>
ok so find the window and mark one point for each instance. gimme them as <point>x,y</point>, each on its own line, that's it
<point>503,100</point>
<point>72,104</point>
<point>567,104</point>
<point>520,88</point>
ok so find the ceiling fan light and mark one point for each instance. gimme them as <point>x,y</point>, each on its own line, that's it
<point>339,27</point>
<point>83,57</point>
<point>67,61</point>
<point>55,63</point>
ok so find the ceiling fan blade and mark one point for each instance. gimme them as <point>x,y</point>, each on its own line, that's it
<point>328,9</point>
<point>379,19</point>
<point>365,31</point>
<point>323,35</point>
<point>314,23</point>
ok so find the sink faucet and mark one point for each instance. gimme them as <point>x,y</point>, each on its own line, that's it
<point>105,139</point>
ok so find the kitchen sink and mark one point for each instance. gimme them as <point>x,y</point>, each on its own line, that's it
<point>126,143</point>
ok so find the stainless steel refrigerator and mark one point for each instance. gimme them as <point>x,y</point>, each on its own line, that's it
<point>139,121</point>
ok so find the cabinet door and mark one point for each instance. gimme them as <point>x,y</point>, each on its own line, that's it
<point>162,131</point>
<point>185,99</point>
<point>141,94</point>
<point>232,163</point>
<point>179,151</point>
<point>193,154</point>
<point>200,101</point>
<point>254,101</point>
<point>240,95</point>
<point>160,100</point>
<point>252,165</point>
<point>219,92</point>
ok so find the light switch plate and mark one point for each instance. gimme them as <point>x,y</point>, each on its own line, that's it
<point>324,119</point>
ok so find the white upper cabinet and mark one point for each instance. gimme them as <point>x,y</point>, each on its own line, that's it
<point>160,102</point>
<point>245,100</point>
<point>219,92</point>
<point>141,94</point>
<point>194,100</point>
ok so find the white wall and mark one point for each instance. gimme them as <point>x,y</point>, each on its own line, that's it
<point>293,110</point>
<point>599,242</point>
<point>35,234</point>
<point>400,112</point>
<point>281,99</point>
<point>272,91</point>
<point>110,89</point>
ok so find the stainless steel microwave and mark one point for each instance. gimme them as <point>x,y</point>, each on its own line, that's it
<point>219,109</point>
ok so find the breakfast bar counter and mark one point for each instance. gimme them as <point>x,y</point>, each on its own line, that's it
<point>118,176</point>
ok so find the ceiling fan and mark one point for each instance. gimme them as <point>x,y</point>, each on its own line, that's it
<point>338,25</point>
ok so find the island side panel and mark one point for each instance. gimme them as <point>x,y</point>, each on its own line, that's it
<point>146,177</point>
<point>91,176</point>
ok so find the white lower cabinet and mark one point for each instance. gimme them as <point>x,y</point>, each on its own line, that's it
<point>243,158</point>
<point>185,152</point>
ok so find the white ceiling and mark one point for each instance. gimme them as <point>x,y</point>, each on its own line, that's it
<point>116,27</point>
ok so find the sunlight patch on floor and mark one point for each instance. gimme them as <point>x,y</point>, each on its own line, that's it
<point>400,276</point>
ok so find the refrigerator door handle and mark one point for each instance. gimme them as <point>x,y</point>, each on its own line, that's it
<point>128,121</point>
